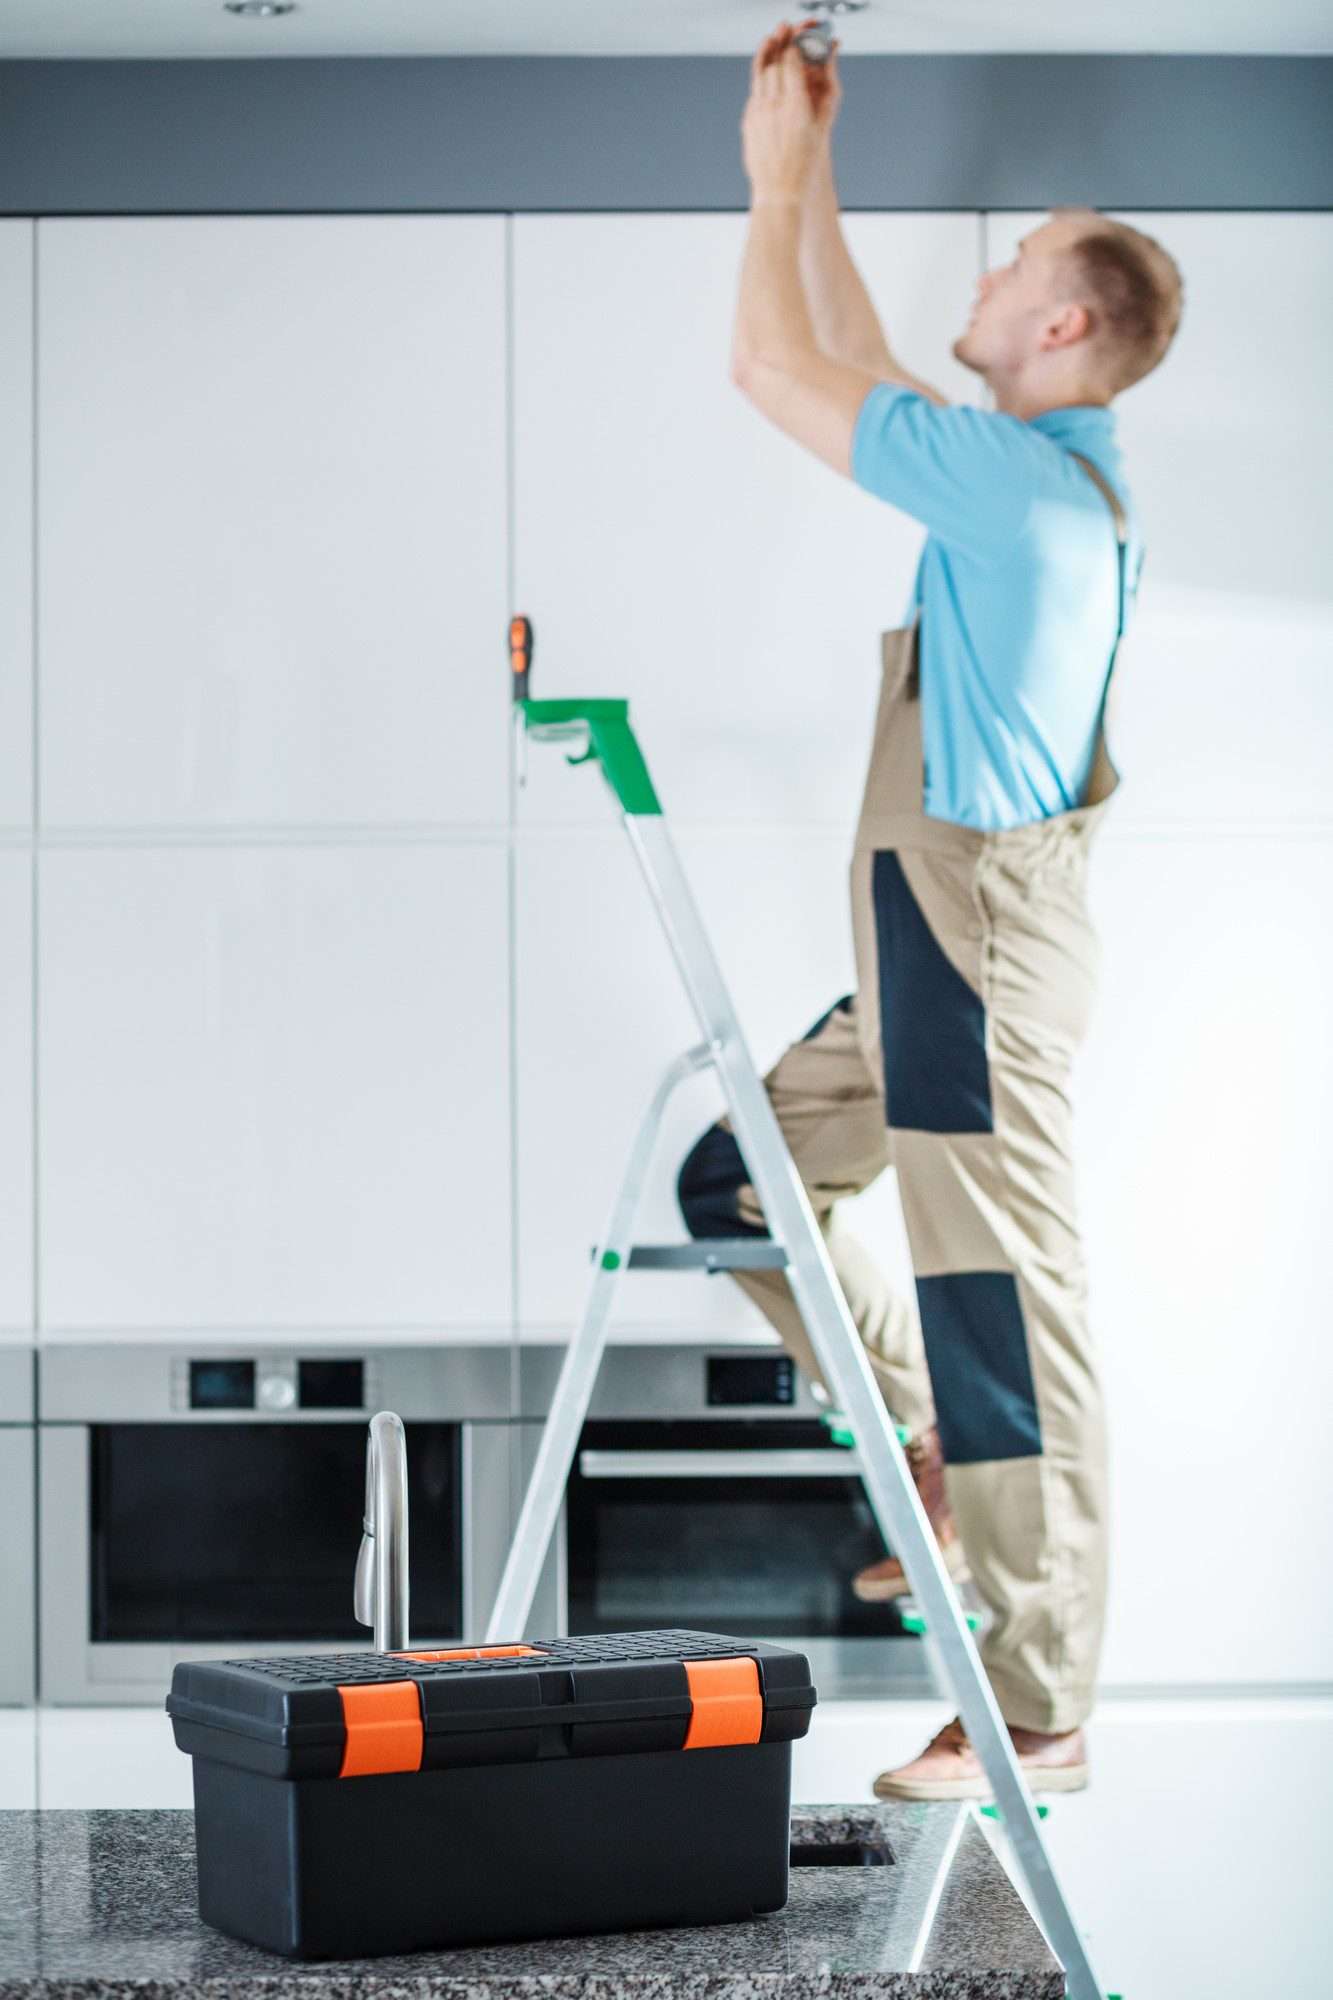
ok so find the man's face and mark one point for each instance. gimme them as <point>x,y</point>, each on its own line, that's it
<point>1016,302</point>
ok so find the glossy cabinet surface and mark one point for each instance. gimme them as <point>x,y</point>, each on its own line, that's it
<point>274,1087</point>
<point>272,537</point>
<point>289,468</point>
<point>672,545</point>
<point>16,484</point>
<point>601,1013</point>
<point>16,1094</point>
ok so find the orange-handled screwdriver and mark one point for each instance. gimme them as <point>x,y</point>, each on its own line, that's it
<point>520,655</point>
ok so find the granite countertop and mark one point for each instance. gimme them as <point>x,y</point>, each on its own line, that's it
<point>103,1903</point>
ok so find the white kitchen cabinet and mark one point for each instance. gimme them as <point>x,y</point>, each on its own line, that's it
<point>16,240</point>
<point>1225,706</point>
<point>672,546</point>
<point>274,1087</point>
<point>1201,1105</point>
<point>601,1012</point>
<point>16,1192</point>
<point>599,1015</point>
<point>272,547</point>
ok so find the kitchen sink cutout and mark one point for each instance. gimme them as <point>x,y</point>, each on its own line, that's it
<point>840,1854</point>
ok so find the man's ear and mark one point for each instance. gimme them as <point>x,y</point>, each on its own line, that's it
<point>1065,327</point>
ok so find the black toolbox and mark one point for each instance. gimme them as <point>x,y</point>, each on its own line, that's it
<point>351,1804</point>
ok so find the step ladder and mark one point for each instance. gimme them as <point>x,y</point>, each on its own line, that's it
<point>601,729</point>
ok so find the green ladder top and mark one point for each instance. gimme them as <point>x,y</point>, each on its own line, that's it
<point>611,743</point>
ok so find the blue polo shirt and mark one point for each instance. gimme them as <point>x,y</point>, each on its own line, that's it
<point>1017,593</point>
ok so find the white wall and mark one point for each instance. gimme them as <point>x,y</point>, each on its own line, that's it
<point>293,473</point>
<point>1207,1079</point>
<point>1174,1901</point>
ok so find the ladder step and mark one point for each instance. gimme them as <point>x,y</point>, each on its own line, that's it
<point>721,1253</point>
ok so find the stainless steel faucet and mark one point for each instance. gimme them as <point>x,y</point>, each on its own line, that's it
<point>380,1590</point>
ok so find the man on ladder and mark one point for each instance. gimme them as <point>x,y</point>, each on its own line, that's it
<point>975,959</point>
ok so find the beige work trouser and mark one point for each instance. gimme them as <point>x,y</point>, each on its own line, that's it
<point>975,978</point>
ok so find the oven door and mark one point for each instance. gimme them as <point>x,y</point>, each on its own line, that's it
<point>195,1506</point>
<point>754,1527</point>
<point>165,1541</point>
<point>227,1534</point>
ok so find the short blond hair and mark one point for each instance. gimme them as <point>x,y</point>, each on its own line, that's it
<point>1133,291</point>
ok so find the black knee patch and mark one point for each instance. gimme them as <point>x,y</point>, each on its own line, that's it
<point>708,1184</point>
<point>936,1077</point>
<point>980,1369</point>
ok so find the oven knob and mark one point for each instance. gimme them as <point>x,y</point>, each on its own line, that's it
<point>277,1392</point>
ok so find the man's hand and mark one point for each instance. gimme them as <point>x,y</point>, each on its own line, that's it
<point>821,79</point>
<point>787,117</point>
<point>813,395</point>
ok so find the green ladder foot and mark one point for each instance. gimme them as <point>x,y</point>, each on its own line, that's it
<point>993,1812</point>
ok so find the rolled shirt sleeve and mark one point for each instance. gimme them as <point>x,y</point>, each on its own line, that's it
<point>967,475</point>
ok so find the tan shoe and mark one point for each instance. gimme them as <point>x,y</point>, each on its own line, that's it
<point>949,1768</point>
<point>883,1581</point>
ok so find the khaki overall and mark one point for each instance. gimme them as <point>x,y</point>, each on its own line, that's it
<point>976,970</point>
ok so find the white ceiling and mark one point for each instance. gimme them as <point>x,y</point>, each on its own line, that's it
<point>655,27</point>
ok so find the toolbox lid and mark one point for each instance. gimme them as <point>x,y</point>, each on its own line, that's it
<point>346,1715</point>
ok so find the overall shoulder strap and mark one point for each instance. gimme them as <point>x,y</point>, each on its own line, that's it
<point>1105,777</point>
<point>1121,519</point>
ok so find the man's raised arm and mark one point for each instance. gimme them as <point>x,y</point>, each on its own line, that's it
<point>776,358</point>
<point>846,325</point>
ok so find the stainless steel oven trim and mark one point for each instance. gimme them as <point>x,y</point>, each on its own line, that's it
<point>703,1464</point>
<point>70,1667</point>
<point>492,1484</point>
<point>18,1524</point>
<point>111,1382</point>
<point>82,1383</point>
<point>659,1382</point>
<point>18,1565</point>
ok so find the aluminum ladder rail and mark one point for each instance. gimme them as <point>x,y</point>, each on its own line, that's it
<point>796,1244</point>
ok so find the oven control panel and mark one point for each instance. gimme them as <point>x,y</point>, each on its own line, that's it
<point>273,1386</point>
<point>222,1385</point>
<point>738,1381</point>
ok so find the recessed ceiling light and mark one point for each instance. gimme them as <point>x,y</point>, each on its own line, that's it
<point>263,10</point>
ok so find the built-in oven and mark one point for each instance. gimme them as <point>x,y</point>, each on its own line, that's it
<point>18,1533</point>
<point>197,1502</point>
<point>707,1493</point>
